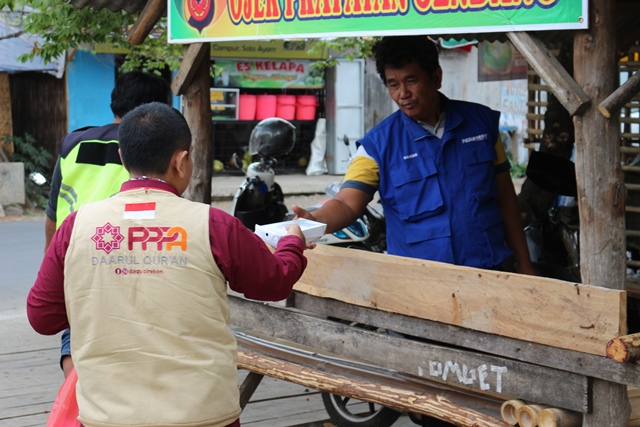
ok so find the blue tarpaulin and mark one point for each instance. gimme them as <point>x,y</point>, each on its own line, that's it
<point>12,47</point>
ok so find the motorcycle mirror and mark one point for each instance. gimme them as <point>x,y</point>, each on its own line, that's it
<point>236,161</point>
<point>345,139</point>
<point>37,178</point>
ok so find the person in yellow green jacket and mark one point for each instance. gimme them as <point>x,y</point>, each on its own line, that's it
<point>89,167</point>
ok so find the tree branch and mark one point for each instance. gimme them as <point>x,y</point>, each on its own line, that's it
<point>13,35</point>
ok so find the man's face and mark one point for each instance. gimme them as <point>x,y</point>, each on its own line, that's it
<point>415,91</point>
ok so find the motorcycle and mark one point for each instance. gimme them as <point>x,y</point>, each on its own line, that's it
<point>260,200</point>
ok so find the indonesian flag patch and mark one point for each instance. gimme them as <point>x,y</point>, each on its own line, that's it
<point>140,210</point>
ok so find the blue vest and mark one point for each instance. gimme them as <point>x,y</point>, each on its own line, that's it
<point>439,196</point>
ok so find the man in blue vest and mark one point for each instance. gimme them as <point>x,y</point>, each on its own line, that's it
<point>439,167</point>
<point>89,167</point>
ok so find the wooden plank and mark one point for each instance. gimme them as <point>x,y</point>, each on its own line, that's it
<point>537,309</point>
<point>479,372</point>
<point>620,96</point>
<point>148,18</point>
<point>564,360</point>
<point>402,399</point>
<point>563,86</point>
<point>272,389</point>
<point>29,382</point>
<point>303,409</point>
<point>194,54</point>
<point>283,403</point>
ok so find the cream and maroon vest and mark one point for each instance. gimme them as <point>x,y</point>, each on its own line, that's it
<point>149,315</point>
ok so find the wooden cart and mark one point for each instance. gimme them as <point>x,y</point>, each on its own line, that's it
<point>560,361</point>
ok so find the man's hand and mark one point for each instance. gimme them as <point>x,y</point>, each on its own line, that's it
<point>527,268</point>
<point>302,213</point>
<point>295,230</point>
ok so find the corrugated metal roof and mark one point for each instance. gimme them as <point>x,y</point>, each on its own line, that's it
<point>130,6</point>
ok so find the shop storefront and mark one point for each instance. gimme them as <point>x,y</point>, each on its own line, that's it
<point>255,80</point>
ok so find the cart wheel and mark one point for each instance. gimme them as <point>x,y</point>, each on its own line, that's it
<point>365,414</point>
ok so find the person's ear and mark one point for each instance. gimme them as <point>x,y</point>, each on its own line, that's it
<point>122,161</point>
<point>437,77</point>
<point>181,163</point>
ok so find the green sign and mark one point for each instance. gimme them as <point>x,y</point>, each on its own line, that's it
<point>268,74</point>
<point>273,49</point>
<point>192,21</point>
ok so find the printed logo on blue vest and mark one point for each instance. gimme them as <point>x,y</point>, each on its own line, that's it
<point>410,156</point>
<point>480,137</point>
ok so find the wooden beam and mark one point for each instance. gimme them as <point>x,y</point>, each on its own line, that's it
<point>564,360</point>
<point>459,368</point>
<point>424,403</point>
<point>620,97</point>
<point>348,368</point>
<point>148,18</point>
<point>563,86</point>
<point>624,349</point>
<point>537,309</point>
<point>194,54</point>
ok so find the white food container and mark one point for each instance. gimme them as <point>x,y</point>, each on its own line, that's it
<point>271,233</point>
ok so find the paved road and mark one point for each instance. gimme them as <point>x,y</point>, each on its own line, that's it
<point>21,252</point>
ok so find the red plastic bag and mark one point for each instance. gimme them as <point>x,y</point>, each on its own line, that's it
<point>64,412</point>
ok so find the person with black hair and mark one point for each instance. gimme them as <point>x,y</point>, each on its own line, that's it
<point>439,167</point>
<point>141,277</point>
<point>89,168</point>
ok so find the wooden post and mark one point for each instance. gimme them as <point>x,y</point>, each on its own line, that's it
<point>601,190</point>
<point>197,111</point>
<point>6,125</point>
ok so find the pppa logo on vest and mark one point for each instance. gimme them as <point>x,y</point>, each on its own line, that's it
<point>166,238</point>
<point>108,238</point>
<point>155,241</point>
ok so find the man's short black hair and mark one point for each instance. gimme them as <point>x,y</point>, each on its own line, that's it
<point>398,51</point>
<point>136,88</point>
<point>149,135</point>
